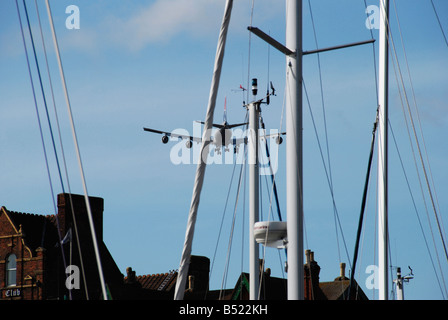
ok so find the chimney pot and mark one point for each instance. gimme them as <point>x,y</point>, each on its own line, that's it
<point>307,254</point>
<point>130,274</point>
<point>342,270</point>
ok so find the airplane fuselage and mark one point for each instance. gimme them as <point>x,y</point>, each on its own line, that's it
<point>222,137</point>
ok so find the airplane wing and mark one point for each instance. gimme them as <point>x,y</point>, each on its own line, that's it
<point>238,141</point>
<point>273,135</point>
<point>220,126</point>
<point>170,134</point>
<point>236,125</point>
<point>277,136</point>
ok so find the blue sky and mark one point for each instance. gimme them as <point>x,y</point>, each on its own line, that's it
<point>135,64</point>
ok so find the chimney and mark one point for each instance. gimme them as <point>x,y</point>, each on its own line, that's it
<point>342,270</point>
<point>311,277</point>
<point>200,270</point>
<point>130,275</point>
<point>342,276</point>
<point>78,203</point>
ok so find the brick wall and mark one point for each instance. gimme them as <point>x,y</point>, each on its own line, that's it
<point>29,265</point>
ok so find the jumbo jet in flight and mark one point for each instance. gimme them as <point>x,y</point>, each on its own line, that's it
<point>221,138</point>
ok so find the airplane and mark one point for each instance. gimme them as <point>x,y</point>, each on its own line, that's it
<point>221,138</point>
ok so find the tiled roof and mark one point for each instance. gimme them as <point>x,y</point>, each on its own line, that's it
<point>337,290</point>
<point>157,282</point>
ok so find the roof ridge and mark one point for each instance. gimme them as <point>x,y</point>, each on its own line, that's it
<point>28,213</point>
<point>157,274</point>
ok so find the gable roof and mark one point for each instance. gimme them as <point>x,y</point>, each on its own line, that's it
<point>42,231</point>
<point>37,230</point>
<point>338,290</point>
<point>272,288</point>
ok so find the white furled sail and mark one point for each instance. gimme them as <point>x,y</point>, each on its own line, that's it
<point>200,171</point>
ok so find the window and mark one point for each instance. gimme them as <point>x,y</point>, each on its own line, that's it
<point>11,270</point>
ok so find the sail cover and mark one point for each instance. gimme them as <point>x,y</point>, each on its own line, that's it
<point>200,170</point>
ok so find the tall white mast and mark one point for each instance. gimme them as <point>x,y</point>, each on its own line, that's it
<point>294,145</point>
<point>254,249</point>
<point>294,176</point>
<point>383,150</point>
<point>294,172</point>
<point>202,163</point>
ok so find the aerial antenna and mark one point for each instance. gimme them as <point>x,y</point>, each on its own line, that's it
<point>268,100</point>
<point>400,282</point>
<point>240,89</point>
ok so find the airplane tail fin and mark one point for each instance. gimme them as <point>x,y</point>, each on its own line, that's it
<point>225,110</point>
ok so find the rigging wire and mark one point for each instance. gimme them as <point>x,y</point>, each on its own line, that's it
<point>229,247</point>
<point>326,171</point>
<point>37,113</point>
<point>272,192</point>
<point>430,192</point>
<point>363,206</point>
<point>419,178</point>
<point>321,95</point>
<point>249,49</point>
<point>222,221</point>
<point>274,177</point>
<point>374,56</point>
<point>304,222</point>
<point>365,196</point>
<point>328,164</point>
<point>247,98</point>
<point>220,227</point>
<point>440,23</point>
<point>224,213</point>
<point>415,208</point>
<point>418,116</point>
<point>42,91</point>
<point>402,82</point>
<point>399,80</point>
<point>62,152</point>
<point>89,213</point>
<point>243,226</point>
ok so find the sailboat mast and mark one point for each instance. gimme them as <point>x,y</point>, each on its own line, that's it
<point>383,150</point>
<point>202,164</point>
<point>294,172</point>
<point>254,249</point>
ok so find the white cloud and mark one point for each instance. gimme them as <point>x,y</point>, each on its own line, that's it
<point>164,19</point>
<point>160,21</point>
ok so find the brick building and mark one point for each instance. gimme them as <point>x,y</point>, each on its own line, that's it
<point>33,261</point>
